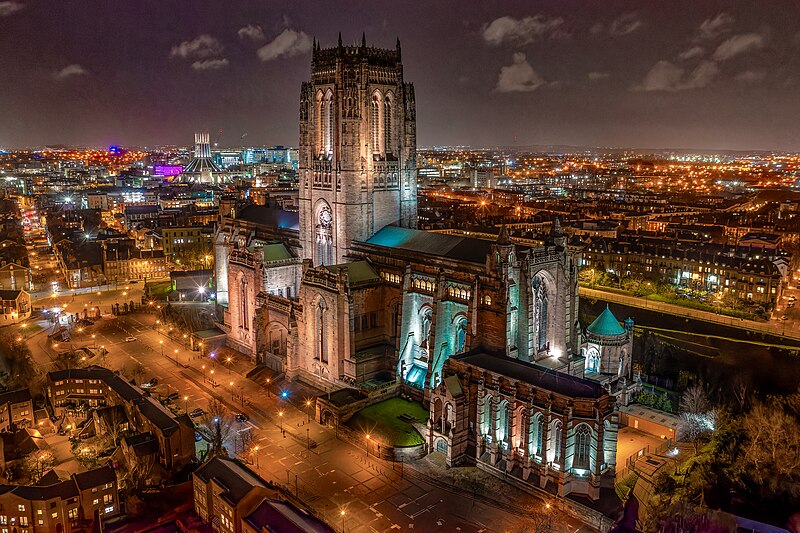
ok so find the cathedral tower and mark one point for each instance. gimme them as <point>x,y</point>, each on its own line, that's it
<point>357,149</point>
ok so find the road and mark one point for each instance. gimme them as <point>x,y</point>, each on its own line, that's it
<point>787,328</point>
<point>332,477</point>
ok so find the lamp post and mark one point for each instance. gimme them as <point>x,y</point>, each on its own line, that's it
<point>186,404</point>
<point>176,355</point>
<point>308,409</point>
<point>255,453</point>
<point>161,342</point>
<point>366,447</point>
<point>233,396</point>
<point>280,416</point>
<point>342,520</point>
<point>228,362</point>
<point>268,386</point>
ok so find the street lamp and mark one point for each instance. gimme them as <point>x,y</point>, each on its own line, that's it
<point>255,453</point>
<point>308,410</point>
<point>269,380</point>
<point>185,403</point>
<point>228,360</point>
<point>342,520</point>
<point>280,416</point>
<point>161,342</point>
<point>366,447</point>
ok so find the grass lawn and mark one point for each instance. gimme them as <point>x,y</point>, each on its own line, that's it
<point>159,288</point>
<point>382,421</point>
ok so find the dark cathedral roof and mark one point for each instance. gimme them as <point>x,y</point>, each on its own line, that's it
<point>535,375</point>
<point>451,246</point>
<point>270,216</point>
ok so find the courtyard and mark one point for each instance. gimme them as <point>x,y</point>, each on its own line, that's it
<point>390,421</point>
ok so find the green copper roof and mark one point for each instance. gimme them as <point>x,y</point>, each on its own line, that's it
<point>606,324</point>
<point>357,271</point>
<point>276,252</point>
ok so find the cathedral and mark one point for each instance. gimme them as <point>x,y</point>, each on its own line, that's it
<point>347,293</point>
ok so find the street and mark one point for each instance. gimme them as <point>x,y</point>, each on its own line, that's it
<point>332,477</point>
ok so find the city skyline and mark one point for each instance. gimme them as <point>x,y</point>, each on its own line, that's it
<point>511,74</point>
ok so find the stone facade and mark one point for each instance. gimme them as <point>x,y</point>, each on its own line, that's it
<point>357,149</point>
<point>355,297</point>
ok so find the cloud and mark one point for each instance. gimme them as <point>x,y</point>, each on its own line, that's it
<point>8,8</point>
<point>522,31</point>
<point>625,24</point>
<point>663,76</point>
<point>691,53</point>
<point>251,32</point>
<point>701,76</point>
<point>597,28</point>
<point>69,71</point>
<point>210,64</point>
<point>201,47</point>
<point>751,76</point>
<point>738,44</point>
<point>287,44</point>
<point>716,26</point>
<point>518,77</point>
<point>594,76</point>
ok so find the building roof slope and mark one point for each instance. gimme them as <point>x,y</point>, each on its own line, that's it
<point>606,324</point>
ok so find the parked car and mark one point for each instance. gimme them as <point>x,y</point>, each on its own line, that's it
<point>784,317</point>
<point>197,436</point>
<point>197,412</point>
<point>130,339</point>
<point>152,383</point>
<point>172,397</point>
<point>241,418</point>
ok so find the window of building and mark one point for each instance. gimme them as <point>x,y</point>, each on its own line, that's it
<point>582,447</point>
<point>23,520</point>
<point>21,508</point>
<point>109,509</point>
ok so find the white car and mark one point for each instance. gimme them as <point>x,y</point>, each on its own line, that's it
<point>130,339</point>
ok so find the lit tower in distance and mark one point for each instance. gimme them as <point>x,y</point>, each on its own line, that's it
<point>357,149</point>
<point>202,168</point>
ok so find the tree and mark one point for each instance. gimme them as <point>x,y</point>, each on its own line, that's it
<point>771,452</point>
<point>218,426</point>
<point>18,369</point>
<point>35,464</point>
<point>696,413</point>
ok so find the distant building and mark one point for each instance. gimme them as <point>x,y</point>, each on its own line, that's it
<point>202,168</point>
<point>188,242</point>
<point>16,409</point>
<point>123,261</point>
<point>85,389</point>
<point>233,499</point>
<point>14,276</point>
<point>16,305</point>
<point>60,506</point>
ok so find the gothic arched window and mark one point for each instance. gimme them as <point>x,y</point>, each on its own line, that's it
<point>537,435</point>
<point>583,438</point>
<point>387,124</point>
<point>325,236</point>
<point>540,312</point>
<point>461,334</point>
<point>375,124</point>
<point>321,345</point>
<point>320,111</point>
<point>486,415</point>
<point>504,423</point>
<point>557,436</point>
<point>244,303</point>
<point>427,316</point>
<point>593,360</point>
<point>327,125</point>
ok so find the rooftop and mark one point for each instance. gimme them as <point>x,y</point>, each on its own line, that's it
<point>606,324</point>
<point>454,247</point>
<point>535,375</point>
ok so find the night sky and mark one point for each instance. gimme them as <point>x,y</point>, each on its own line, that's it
<point>644,74</point>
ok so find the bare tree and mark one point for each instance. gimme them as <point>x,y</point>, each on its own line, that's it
<point>696,413</point>
<point>772,449</point>
<point>35,464</point>
<point>137,475</point>
<point>218,426</point>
